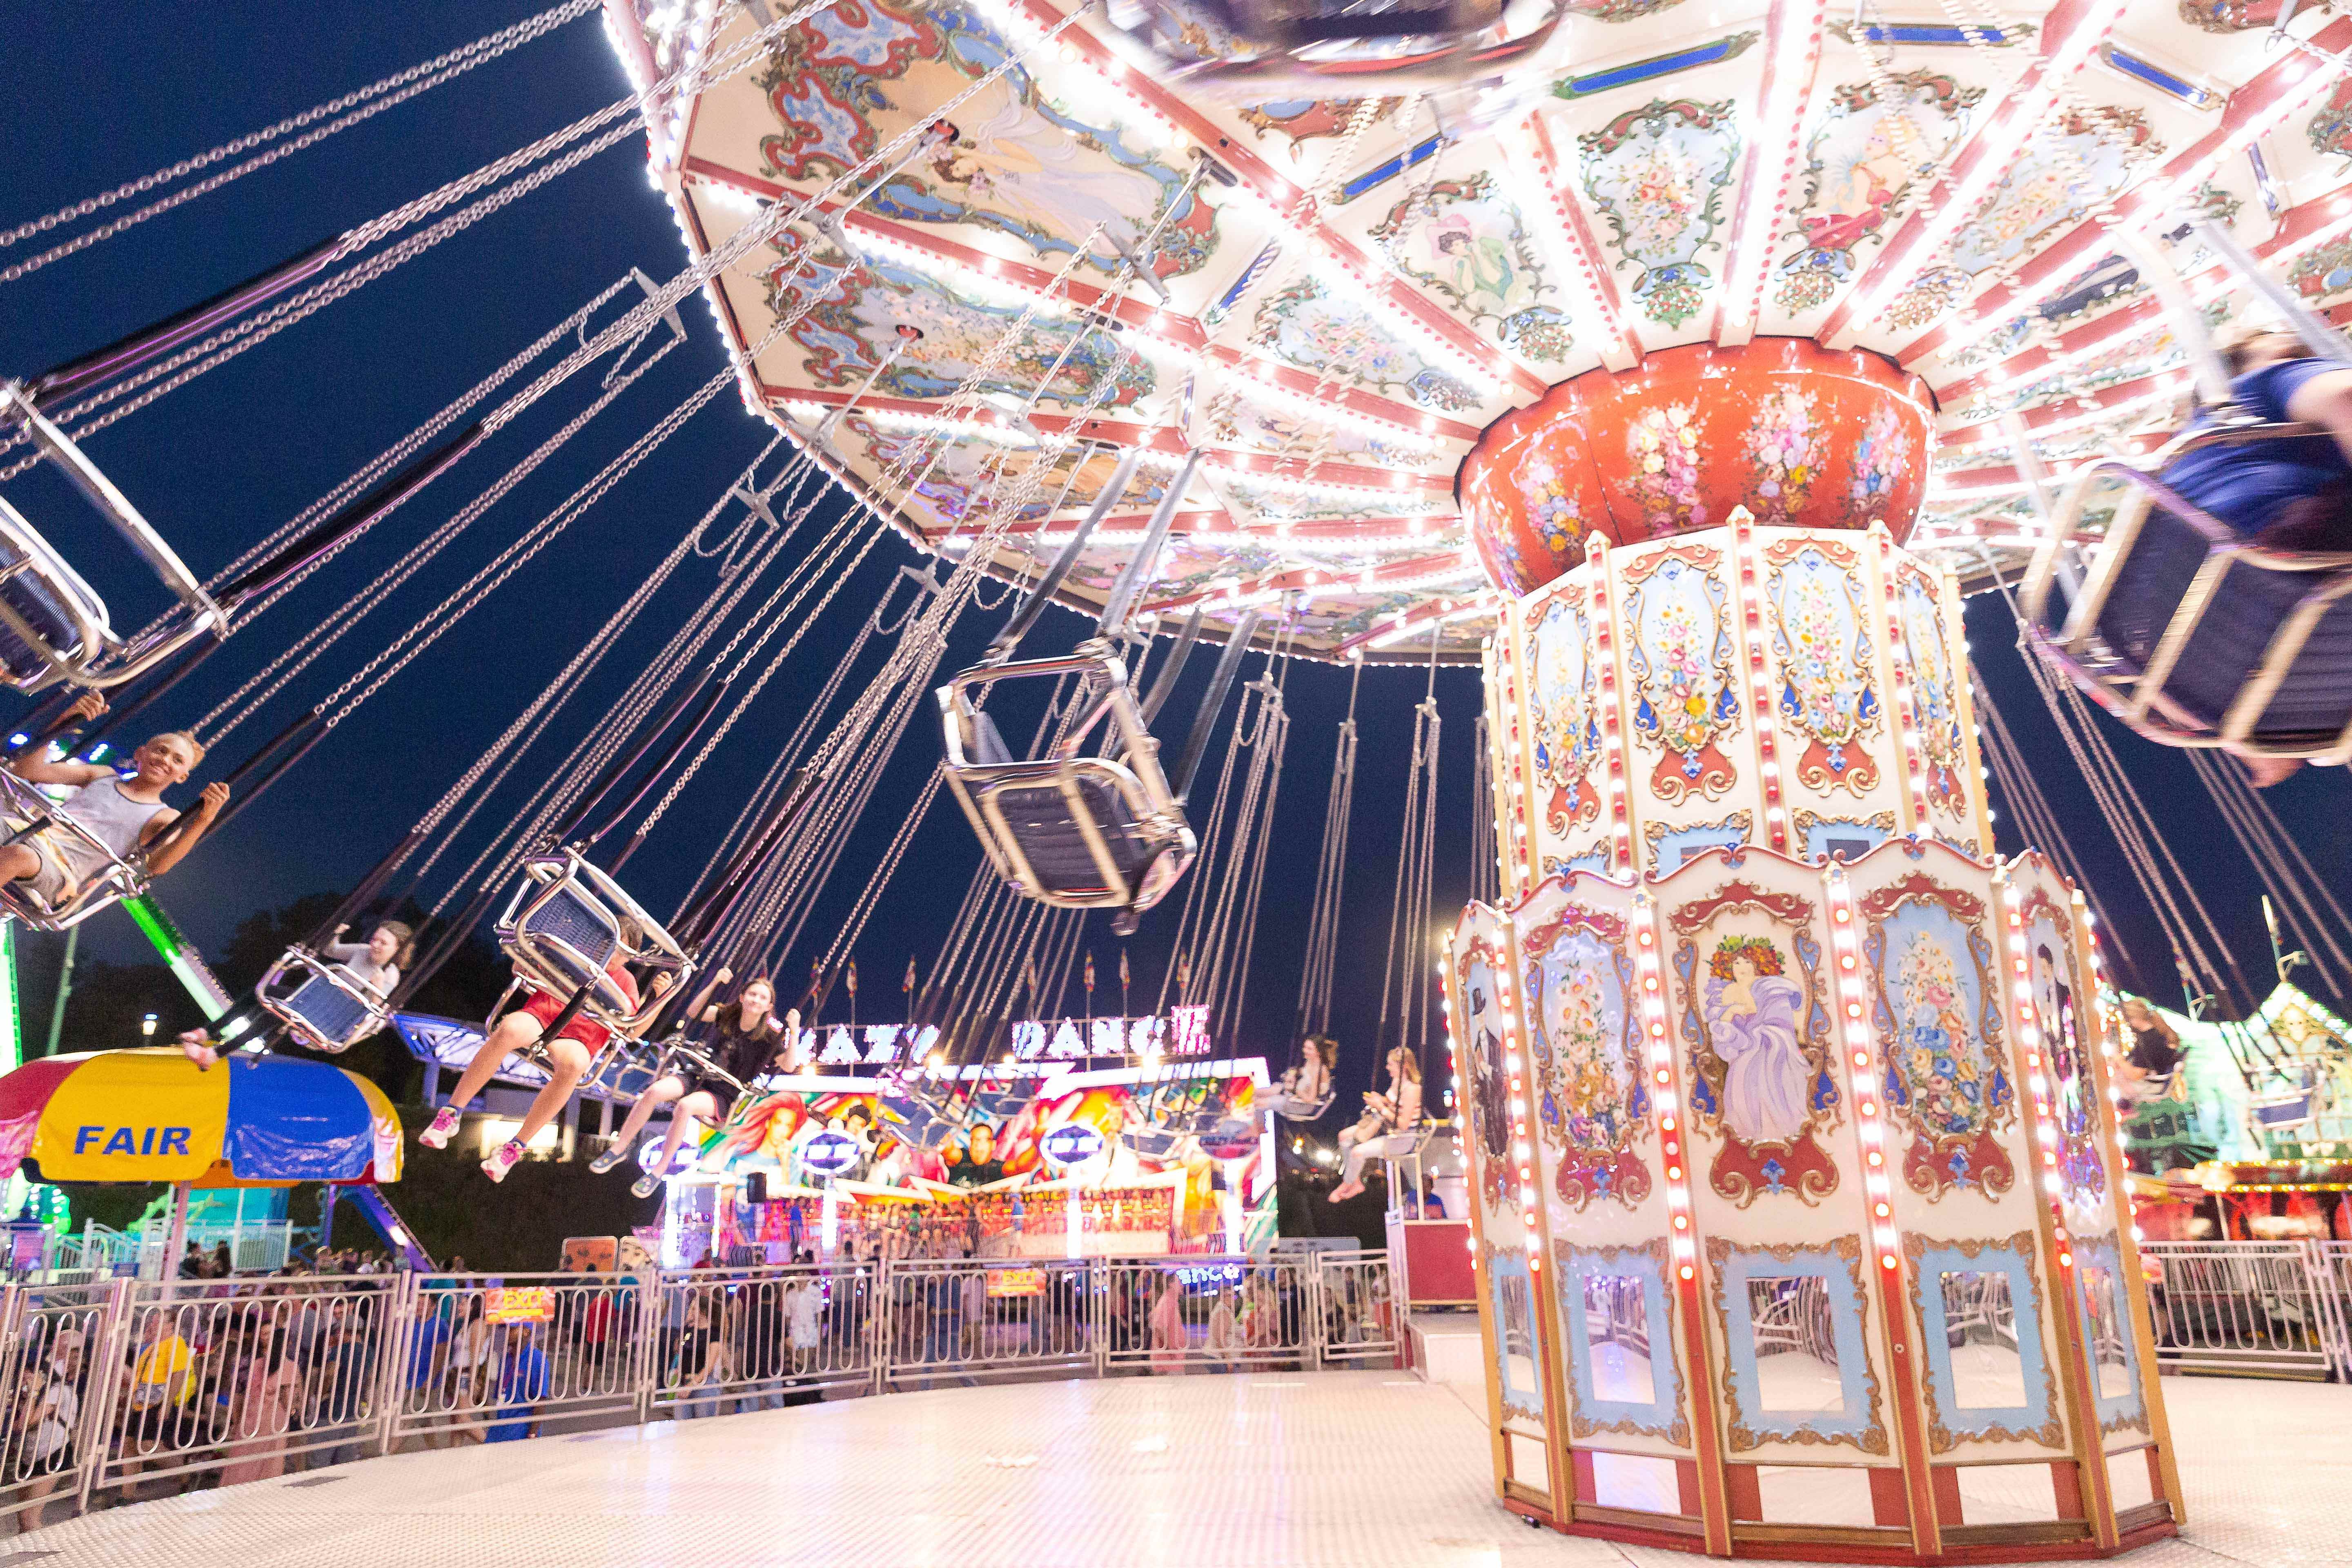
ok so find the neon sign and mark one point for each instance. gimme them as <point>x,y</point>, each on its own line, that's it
<point>1184,1032</point>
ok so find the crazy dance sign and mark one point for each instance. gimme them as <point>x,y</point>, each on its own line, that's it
<point>1185,1032</point>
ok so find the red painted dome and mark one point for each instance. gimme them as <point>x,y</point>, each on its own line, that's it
<point>1795,433</point>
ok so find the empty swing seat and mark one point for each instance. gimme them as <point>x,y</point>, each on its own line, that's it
<point>53,626</point>
<point>1068,830</point>
<point>2191,634</point>
<point>328,1007</point>
<point>30,817</point>
<point>568,923</point>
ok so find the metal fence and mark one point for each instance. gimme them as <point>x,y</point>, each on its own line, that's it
<point>108,1387</point>
<point>2264,1309</point>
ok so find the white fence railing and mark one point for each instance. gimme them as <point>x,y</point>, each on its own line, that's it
<point>109,1385</point>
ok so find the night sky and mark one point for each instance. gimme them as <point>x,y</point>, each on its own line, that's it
<point>99,95</point>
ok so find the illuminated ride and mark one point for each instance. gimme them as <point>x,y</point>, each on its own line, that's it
<point>1679,370</point>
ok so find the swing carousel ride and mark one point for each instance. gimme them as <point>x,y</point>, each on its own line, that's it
<point>1681,367</point>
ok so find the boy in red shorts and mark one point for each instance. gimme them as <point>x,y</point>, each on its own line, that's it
<point>568,1057</point>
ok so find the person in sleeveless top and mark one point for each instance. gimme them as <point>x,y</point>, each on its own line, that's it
<point>126,814</point>
<point>745,1038</point>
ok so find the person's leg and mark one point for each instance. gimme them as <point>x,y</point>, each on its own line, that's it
<point>567,1064</point>
<point>664,1090</point>
<point>516,1031</point>
<point>19,863</point>
<point>693,1108</point>
<point>28,1517</point>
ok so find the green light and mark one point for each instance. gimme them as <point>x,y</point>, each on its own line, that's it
<point>179,955</point>
<point>12,1034</point>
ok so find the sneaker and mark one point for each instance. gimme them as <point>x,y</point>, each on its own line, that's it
<point>643,1187</point>
<point>504,1158</point>
<point>609,1158</point>
<point>444,1127</point>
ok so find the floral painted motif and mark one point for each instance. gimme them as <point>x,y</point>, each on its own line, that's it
<point>1619,10</point>
<point>1935,693</point>
<point>1823,652</point>
<point>1593,1105</point>
<point>1467,241</point>
<point>1678,658</point>
<point>1938,1019</point>
<point>1657,174</point>
<point>1881,457</point>
<point>2237,15</point>
<point>1863,161</point>
<point>2330,127</point>
<point>1565,688</point>
<point>2055,182</point>
<point>1784,444</point>
<point>1661,446</point>
<point>1552,506</point>
<point>1303,326</point>
<point>2322,270</point>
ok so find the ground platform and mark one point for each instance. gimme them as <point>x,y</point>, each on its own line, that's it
<point>1333,1471</point>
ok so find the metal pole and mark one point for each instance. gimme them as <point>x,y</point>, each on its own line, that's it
<point>2323,340</point>
<point>65,989</point>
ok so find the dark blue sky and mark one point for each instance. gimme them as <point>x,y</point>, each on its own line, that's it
<point>97,95</point>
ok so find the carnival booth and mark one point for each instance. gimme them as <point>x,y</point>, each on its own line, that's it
<point>1044,1156</point>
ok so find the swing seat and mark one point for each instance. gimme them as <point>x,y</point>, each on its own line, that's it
<point>30,817</point>
<point>2187,633</point>
<point>1071,831</point>
<point>327,1007</point>
<point>1349,49</point>
<point>923,1116</point>
<point>569,921</point>
<point>1303,1110</point>
<point>53,626</point>
<point>626,1068</point>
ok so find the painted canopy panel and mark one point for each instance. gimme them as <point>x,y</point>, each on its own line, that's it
<point>1363,285</point>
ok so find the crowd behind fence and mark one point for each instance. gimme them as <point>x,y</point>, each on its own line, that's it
<point>111,1386</point>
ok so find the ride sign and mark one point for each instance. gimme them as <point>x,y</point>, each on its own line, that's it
<point>1072,1144</point>
<point>525,1304</point>
<point>829,1153</point>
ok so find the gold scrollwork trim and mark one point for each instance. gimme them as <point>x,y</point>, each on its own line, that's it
<point>1942,1440</point>
<point>1740,1436</point>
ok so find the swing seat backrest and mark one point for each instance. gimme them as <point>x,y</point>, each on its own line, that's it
<point>2192,636</point>
<point>1070,830</point>
<point>327,1007</point>
<point>53,626</point>
<point>569,922</point>
<point>27,816</point>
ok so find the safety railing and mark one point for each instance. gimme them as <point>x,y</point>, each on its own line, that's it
<point>2262,1308</point>
<point>761,1338</point>
<point>478,1358</point>
<point>111,1386</point>
<point>56,1335</point>
<point>234,1376</point>
<point>965,1320</point>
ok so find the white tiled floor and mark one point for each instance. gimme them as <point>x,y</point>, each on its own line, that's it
<point>1353,1471</point>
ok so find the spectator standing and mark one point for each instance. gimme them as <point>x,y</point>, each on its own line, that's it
<point>523,1382</point>
<point>269,1399</point>
<point>51,1416</point>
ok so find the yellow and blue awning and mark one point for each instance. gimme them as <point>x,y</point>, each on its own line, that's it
<point>156,1116</point>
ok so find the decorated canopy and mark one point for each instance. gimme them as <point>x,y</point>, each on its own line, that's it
<point>1934,205</point>
<point>156,1116</point>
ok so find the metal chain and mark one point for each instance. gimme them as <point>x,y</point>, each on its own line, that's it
<point>391,91</point>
